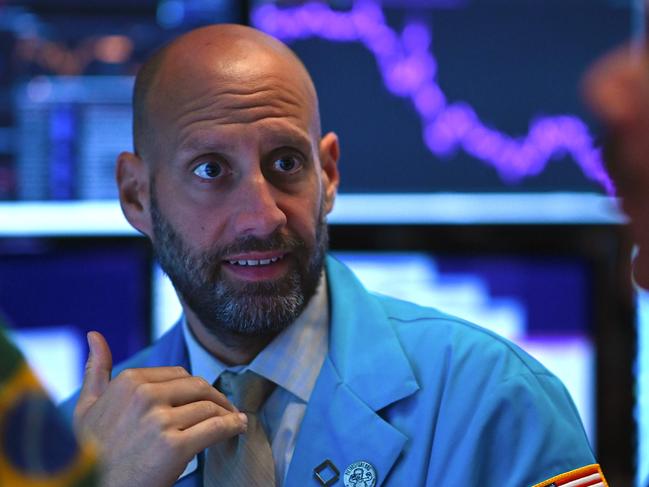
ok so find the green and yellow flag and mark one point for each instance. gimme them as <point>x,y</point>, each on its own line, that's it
<point>37,446</point>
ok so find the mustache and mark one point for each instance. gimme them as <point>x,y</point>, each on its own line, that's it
<point>277,241</point>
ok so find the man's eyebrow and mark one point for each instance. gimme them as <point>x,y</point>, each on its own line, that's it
<point>303,143</point>
<point>271,137</point>
<point>293,137</point>
<point>197,144</point>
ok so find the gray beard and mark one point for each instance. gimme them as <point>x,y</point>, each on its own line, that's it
<point>235,312</point>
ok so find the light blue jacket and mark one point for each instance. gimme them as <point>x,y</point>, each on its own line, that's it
<point>426,398</point>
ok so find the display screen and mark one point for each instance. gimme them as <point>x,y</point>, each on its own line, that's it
<point>53,291</point>
<point>455,95</point>
<point>469,96</point>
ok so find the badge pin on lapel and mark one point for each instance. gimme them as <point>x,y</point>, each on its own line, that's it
<point>360,474</point>
<point>326,473</point>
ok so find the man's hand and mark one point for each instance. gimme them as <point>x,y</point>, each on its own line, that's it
<point>148,423</point>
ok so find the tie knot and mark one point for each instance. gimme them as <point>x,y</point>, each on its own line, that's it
<point>248,391</point>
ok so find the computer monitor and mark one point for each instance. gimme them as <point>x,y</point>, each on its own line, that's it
<point>53,290</point>
<point>464,96</point>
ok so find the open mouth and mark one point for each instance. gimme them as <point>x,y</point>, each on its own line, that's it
<point>257,266</point>
<point>255,262</point>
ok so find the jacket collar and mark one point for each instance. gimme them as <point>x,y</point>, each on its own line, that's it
<point>365,371</point>
<point>364,347</point>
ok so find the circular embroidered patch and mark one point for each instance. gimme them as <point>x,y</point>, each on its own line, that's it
<point>360,474</point>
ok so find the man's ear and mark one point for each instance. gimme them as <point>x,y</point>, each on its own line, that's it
<point>329,155</point>
<point>132,176</point>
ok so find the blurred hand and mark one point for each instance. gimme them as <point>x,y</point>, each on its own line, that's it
<point>148,423</point>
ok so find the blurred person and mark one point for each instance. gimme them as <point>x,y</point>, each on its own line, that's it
<point>317,381</point>
<point>617,90</point>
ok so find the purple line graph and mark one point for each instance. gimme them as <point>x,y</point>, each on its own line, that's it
<point>409,70</point>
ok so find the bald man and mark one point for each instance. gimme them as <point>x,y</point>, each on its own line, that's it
<point>617,89</point>
<point>231,180</point>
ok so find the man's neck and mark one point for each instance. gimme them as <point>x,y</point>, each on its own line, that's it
<point>230,349</point>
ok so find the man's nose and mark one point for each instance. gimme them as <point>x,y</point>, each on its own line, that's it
<point>257,212</point>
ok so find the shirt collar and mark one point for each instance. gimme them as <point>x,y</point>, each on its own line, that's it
<point>292,360</point>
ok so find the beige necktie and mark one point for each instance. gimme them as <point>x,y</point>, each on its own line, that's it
<point>245,460</point>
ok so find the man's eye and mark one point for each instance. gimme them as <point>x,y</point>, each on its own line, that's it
<point>208,170</point>
<point>287,164</point>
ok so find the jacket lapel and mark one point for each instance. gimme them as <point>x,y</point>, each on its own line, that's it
<point>340,427</point>
<point>365,371</point>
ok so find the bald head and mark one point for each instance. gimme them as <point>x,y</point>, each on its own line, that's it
<point>223,51</point>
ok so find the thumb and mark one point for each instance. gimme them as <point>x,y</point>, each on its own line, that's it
<point>97,375</point>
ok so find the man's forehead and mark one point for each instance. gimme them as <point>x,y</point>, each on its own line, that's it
<point>232,75</point>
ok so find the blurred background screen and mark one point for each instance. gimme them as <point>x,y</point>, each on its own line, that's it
<point>54,290</point>
<point>455,95</point>
<point>470,170</point>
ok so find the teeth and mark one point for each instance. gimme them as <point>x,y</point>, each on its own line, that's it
<point>252,262</point>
